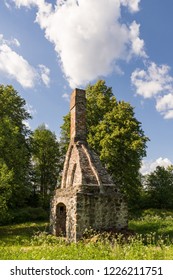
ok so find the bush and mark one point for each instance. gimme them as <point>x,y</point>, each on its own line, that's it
<point>5,217</point>
<point>29,214</point>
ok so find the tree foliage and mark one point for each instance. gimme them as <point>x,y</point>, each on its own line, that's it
<point>65,136</point>
<point>14,142</point>
<point>45,151</point>
<point>116,135</point>
<point>6,178</point>
<point>159,188</point>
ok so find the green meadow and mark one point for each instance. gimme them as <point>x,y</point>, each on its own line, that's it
<point>150,238</point>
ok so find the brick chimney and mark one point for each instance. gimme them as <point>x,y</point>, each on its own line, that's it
<point>78,116</point>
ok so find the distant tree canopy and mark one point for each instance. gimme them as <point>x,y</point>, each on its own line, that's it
<point>45,160</point>
<point>115,134</point>
<point>158,186</point>
<point>29,161</point>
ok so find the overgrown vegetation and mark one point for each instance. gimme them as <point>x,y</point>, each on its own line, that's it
<point>31,164</point>
<point>152,239</point>
<point>31,161</point>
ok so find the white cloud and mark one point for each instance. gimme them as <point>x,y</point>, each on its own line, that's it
<point>44,74</point>
<point>133,5</point>
<point>66,97</point>
<point>27,3</point>
<point>137,43</point>
<point>16,67</point>
<point>164,105</point>
<point>150,166</point>
<point>30,109</point>
<point>27,124</point>
<point>12,64</point>
<point>168,114</point>
<point>11,42</point>
<point>89,36</point>
<point>155,80</point>
<point>16,42</point>
<point>43,6</point>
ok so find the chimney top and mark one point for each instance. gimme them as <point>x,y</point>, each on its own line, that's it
<point>78,115</point>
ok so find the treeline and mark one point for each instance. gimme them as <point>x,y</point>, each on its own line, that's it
<point>157,188</point>
<point>31,161</point>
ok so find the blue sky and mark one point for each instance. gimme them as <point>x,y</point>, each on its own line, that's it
<point>47,48</point>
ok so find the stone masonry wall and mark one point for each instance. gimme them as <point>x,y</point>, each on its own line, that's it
<point>88,208</point>
<point>104,212</point>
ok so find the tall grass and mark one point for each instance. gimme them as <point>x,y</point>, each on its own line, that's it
<point>153,239</point>
<point>155,221</point>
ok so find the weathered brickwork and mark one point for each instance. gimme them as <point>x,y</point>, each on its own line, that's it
<point>77,111</point>
<point>87,197</point>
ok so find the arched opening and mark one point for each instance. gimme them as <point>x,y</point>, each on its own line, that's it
<point>60,219</point>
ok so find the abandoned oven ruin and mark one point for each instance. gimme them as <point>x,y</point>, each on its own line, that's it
<point>87,197</point>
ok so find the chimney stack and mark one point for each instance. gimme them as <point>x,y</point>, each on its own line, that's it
<point>78,116</point>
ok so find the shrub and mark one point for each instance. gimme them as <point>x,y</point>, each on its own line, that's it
<point>30,214</point>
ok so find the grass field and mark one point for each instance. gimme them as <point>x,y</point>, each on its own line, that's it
<point>153,240</point>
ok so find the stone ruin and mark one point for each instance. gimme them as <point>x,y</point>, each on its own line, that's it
<point>87,197</point>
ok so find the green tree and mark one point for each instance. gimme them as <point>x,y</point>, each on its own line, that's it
<point>116,135</point>
<point>46,166</point>
<point>14,143</point>
<point>65,136</point>
<point>6,178</point>
<point>159,188</point>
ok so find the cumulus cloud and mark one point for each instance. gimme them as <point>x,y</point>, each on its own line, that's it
<point>168,114</point>
<point>11,64</point>
<point>89,36</point>
<point>150,166</point>
<point>136,42</point>
<point>27,3</point>
<point>133,5</point>
<point>164,105</point>
<point>155,82</point>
